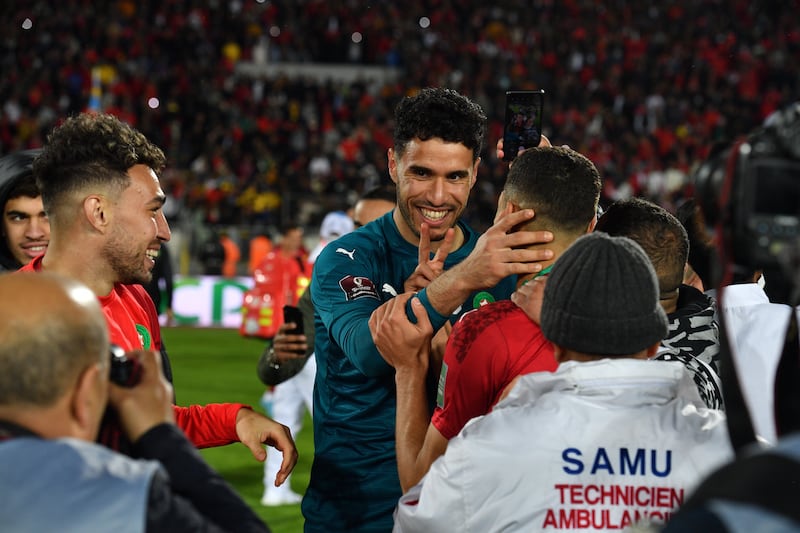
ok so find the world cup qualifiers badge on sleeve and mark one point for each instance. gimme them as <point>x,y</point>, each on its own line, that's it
<point>355,287</point>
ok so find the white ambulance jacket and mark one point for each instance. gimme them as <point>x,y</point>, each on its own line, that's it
<point>593,446</point>
<point>756,330</point>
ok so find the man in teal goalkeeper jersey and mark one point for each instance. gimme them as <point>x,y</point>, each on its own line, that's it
<point>420,245</point>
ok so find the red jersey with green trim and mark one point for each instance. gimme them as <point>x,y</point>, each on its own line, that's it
<point>133,325</point>
<point>487,349</point>
<point>129,324</point>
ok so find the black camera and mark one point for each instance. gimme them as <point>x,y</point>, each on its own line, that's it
<point>125,371</point>
<point>750,192</point>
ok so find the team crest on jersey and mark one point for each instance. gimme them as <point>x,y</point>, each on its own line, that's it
<point>355,287</point>
<point>481,299</point>
<point>144,336</point>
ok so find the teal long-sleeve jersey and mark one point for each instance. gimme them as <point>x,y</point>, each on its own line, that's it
<point>354,483</point>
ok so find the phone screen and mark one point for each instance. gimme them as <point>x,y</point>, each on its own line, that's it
<point>523,122</point>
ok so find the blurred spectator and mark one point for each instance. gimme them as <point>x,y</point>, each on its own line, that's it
<point>232,254</point>
<point>279,279</point>
<point>334,225</point>
<point>291,248</point>
<point>642,89</point>
<point>212,255</point>
<point>260,246</point>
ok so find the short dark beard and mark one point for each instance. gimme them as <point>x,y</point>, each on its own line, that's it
<point>121,263</point>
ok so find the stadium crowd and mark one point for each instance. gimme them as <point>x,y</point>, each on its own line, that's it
<point>643,89</point>
<point>645,92</point>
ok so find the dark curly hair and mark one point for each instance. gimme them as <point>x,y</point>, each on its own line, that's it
<point>441,113</point>
<point>91,149</point>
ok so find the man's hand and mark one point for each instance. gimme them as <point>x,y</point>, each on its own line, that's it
<point>501,252</point>
<point>544,141</point>
<point>401,343</point>
<point>287,346</point>
<point>148,403</point>
<point>406,347</point>
<point>429,269</point>
<point>529,298</point>
<point>254,430</point>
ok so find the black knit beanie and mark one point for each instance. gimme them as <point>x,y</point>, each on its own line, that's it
<point>602,298</point>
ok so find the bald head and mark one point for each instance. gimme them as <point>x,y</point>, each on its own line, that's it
<point>51,330</point>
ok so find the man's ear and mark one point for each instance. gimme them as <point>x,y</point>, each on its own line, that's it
<point>592,224</point>
<point>390,156</point>
<point>95,210</point>
<point>502,200</point>
<point>653,350</point>
<point>504,207</point>
<point>474,178</point>
<point>89,398</point>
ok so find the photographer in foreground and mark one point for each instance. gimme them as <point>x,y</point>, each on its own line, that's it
<point>751,193</point>
<point>54,386</point>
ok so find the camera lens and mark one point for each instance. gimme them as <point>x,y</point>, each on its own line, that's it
<point>124,371</point>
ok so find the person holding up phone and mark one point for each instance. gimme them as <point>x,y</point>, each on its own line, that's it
<point>523,122</point>
<point>288,363</point>
<point>287,400</point>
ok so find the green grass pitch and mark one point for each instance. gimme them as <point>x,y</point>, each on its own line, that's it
<point>218,365</point>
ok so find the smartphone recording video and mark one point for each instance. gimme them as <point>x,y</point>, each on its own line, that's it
<point>523,122</point>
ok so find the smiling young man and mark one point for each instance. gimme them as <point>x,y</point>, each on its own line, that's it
<point>100,188</point>
<point>434,161</point>
<point>24,229</point>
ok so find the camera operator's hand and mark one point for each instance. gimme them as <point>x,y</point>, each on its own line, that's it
<point>147,404</point>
